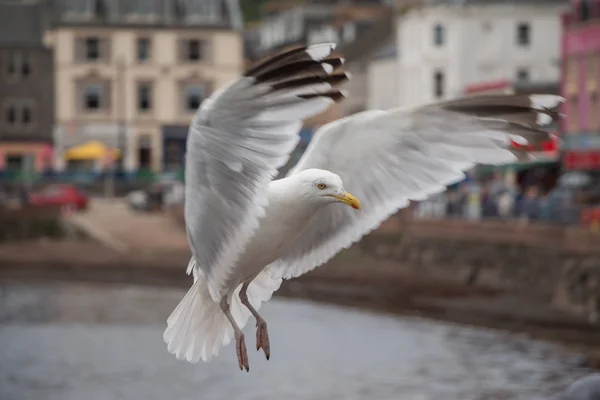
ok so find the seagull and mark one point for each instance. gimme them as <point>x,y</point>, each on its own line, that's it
<point>249,231</point>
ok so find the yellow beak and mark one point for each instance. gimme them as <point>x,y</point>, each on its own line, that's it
<point>350,200</point>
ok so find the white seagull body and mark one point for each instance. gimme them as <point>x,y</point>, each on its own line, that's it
<point>248,232</point>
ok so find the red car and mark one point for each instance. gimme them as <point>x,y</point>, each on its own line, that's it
<point>60,195</point>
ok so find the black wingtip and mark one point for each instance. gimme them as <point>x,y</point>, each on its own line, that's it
<point>335,95</point>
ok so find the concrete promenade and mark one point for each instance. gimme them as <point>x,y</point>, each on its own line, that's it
<point>113,223</point>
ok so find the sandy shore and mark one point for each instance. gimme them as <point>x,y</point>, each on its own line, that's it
<point>384,289</point>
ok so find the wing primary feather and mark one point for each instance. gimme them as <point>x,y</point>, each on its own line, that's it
<point>333,79</point>
<point>282,72</point>
<point>312,52</point>
<point>335,95</point>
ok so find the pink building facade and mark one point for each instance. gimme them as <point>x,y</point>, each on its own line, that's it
<point>580,85</point>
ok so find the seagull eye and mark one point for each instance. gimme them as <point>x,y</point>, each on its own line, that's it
<point>321,186</point>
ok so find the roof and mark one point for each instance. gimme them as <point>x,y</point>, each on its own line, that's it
<point>389,50</point>
<point>370,39</point>
<point>20,25</point>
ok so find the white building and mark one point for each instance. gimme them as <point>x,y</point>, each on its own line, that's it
<point>447,45</point>
<point>382,78</point>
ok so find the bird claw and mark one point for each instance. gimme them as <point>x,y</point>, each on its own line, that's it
<point>242,354</point>
<point>262,338</point>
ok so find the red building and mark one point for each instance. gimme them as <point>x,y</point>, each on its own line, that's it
<point>580,49</point>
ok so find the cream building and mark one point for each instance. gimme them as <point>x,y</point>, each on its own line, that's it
<point>131,74</point>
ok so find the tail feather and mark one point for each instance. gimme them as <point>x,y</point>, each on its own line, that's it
<point>198,328</point>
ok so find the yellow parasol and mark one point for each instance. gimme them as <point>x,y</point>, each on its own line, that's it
<point>92,150</point>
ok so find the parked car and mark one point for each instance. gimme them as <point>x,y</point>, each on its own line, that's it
<point>59,195</point>
<point>165,193</point>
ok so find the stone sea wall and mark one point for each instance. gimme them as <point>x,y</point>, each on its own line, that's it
<point>556,264</point>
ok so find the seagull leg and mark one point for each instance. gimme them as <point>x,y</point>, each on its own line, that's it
<point>240,343</point>
<point>262,335</point>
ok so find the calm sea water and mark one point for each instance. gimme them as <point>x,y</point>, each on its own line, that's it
<point>72,341</point>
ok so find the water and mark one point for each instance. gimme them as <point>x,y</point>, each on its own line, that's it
<point>72,341</point>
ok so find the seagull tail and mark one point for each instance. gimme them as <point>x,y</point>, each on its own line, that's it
<point>198,328</point>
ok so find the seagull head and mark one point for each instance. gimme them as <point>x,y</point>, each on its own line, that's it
<point>325,187</point>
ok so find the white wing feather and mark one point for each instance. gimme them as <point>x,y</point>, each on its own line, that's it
<point>387,159</point>
<point>236,142</point>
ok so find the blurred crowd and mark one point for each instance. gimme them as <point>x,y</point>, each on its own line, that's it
<point>495,198</point>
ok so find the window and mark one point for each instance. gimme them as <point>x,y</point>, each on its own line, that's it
<point>92,97</point>
<point>438,83</point>
<point>11,114</point>
<point>204,9</point>
<point>99,9</point>
<point>18,65</point>
<point>193,97</point>
<point>522,74</point>
<point>178,9</point>
<point>438,35</point>
<point>594,116</point>
<point>145,151</point>
<point>584,13</point>
<point>25,68</point>
<point>523,34</point>
<point>143,49</point>
<point>92,48</point>
<point>194,50</point>
<point>144,97</point>
<point>25,114</point>
<point>572,72</point>
<point>140,7</point>
<point>572,113</point>
<point>13,62</point>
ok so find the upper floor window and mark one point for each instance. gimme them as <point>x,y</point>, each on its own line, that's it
<point>523,34</point>
<point>139,7</point>
<point>94,95</point>
<point>100,9</point>
<point>178,9</point>
<point>522,75</point>
<point>438,84</point>
<point>202,9</point>
<point>92,49</point>
<point>438,35</point>
<point>144,96</point>
<point>193,95</point>
<point>584,10</point>
<point>194,50</point>
<point>25,66</point>
<point>18,65</point>
<point>11,114</point>
<point>144,46</point>
<point>26,114</point>
<point>18,113</point>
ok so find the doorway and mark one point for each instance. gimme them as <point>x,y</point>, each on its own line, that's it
<point>145,152</point>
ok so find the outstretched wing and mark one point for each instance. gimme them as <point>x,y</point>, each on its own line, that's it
<point>387,158</point>
<point>237,140</point>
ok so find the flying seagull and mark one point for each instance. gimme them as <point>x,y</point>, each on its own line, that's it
<point>248,231</point>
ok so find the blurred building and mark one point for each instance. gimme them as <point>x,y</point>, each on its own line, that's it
<point>446,45</point>
<point>26,91</point>
<point>382,78</point>
<point>580,80</point>
<point>130,74</point>
<point>358,28</point>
